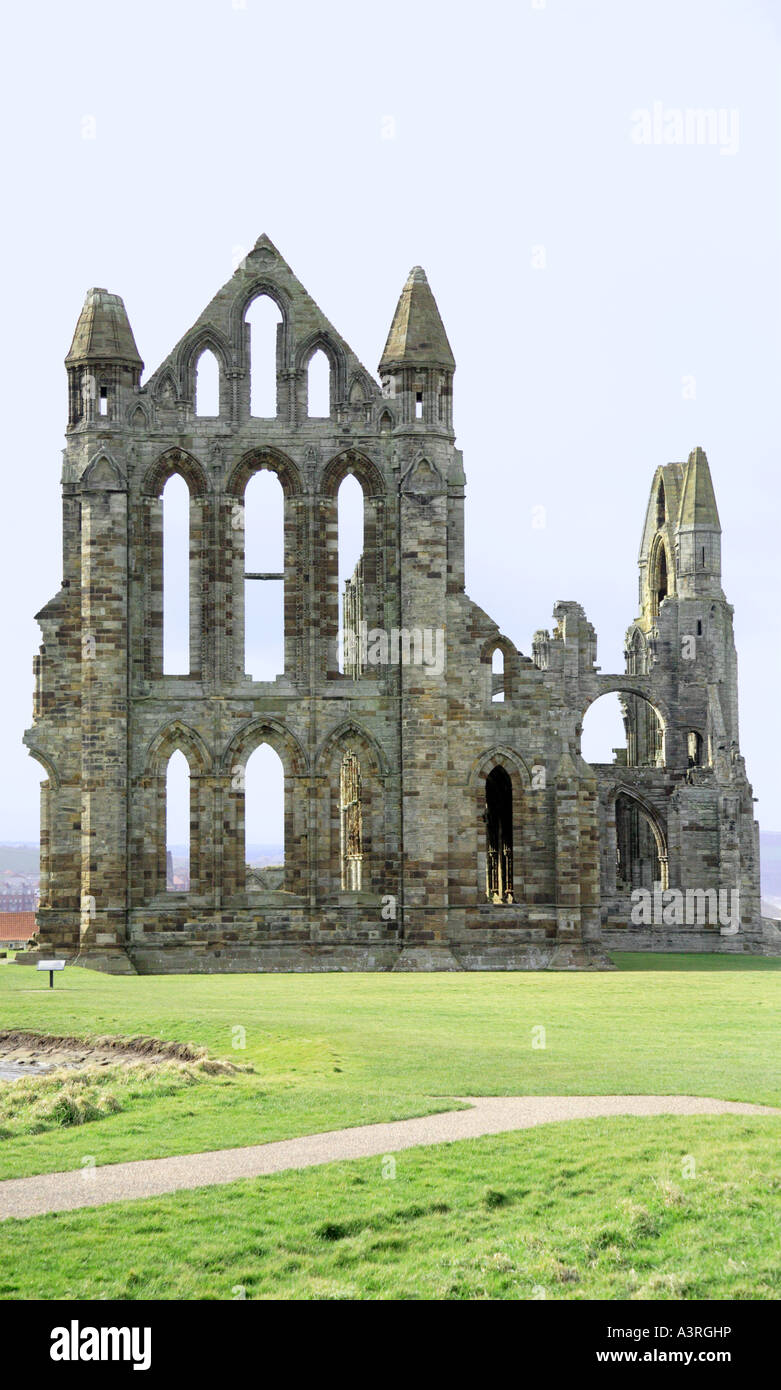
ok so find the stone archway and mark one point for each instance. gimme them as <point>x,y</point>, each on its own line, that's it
<point>641,845</point>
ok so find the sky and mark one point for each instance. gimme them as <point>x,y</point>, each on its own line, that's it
<point>612,298</point>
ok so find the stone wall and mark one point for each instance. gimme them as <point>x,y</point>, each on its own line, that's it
<point>418,709</point>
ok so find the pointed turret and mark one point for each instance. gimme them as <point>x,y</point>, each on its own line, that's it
<point>698,500</point>
<point>103,332</point>
<point>103,363</point>
<point>417,336</point>
<point>698,532</point>
<point>417,365</point>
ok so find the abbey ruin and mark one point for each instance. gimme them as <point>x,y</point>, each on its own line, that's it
<point>438,811</point>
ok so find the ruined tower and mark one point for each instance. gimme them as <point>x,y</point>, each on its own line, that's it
<point>695,831</point>
<point>438,812</point>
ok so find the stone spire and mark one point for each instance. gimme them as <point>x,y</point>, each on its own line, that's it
<point>698,500</point>
<point>103,332</point>
<point>417,336</point>
<point>698,533</point>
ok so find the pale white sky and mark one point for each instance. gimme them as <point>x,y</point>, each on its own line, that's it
<point>365,140</point>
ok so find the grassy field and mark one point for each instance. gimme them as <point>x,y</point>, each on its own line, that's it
<point>593,1209</point>
<point>652,1208</point>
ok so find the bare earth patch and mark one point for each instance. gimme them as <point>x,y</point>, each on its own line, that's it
<point>57,1083</point>
<point>27,1054</point>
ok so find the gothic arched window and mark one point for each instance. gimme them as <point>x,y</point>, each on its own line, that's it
<point>175,504</point>
<point>694,742</point>
<point>499,836</point>
<point>264,318</point>
<point>349,532</point>
<point>177,823</point>
<point>661,509</point>
<point>351,822</point>
<point>659,579</point>
<point>264,819</point>
<point>264,577</point>
<point>207,385</point>
<point>497,676</point>
<point>318,391</point>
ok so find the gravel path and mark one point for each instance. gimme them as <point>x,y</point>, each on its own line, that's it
<point>117,1182</point>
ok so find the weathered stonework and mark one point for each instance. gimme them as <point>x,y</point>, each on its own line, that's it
<point>474,835</point>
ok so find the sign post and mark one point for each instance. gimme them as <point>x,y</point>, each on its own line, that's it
<point>51,966</point>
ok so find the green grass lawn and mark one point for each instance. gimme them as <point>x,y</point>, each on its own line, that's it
<point>591,1209</point>
<point>587,1209</point>
<point>342,1049</point>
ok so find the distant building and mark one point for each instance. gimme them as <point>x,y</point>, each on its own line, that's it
<point>18,894</point>
<point>16,927</point>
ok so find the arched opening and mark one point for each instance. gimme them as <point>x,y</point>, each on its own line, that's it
<point>604,737</point>
<point>264,819</point>
<point>264,582</point>
<point>497,676</point>
<point>175,504</point>
<point>661,510</point>
<point>694,748</point>
<point>386,423</point>
<point>318,391</point>
<point>641,849</point>
<point>177,823</point>
<point>207,384</point>
<point>624,729</point>
<point>351,823</point>
<point>354,527</point>
<point>661,589</point>
<point>499,836</point>
<point>22,814</point>
<point>349,523</point>
<point>636,655</point>
<point>659,579</point>
<point>264,318</point>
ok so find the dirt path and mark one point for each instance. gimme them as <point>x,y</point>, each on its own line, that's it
<point>118,1182</point>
